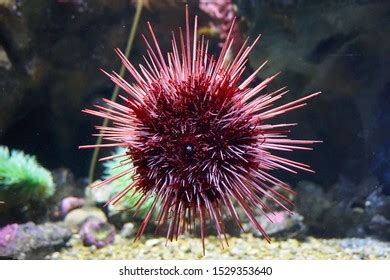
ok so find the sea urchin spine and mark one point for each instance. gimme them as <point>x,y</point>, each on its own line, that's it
<point>197,136</point>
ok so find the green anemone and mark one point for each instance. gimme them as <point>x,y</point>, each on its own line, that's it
<point>22,179</point>
<point>113,167</point>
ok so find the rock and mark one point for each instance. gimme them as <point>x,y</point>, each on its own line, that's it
<point>7,234</point>
<point>311,202</point>
<point>128,230</point>
<point>327,214</point>
<point>99,195</point>
<point>31,241</point>
<point>66,184</point>
<point>153,242</point>
<point>75,218</point>
<point>67,195</point>
<point>345,210</point>
<point>71,203</point>
<point>8,3</point>
<point>377,207</point>
<point>380,227</point>
<point>4,60</point>
<point>284,225</point>
<point>378,203</point>
<point>97,233</point>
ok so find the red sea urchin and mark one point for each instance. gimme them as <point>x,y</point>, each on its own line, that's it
<point>197,137</point>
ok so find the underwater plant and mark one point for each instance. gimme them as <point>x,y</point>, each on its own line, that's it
<point>114,167</point>
<point>22,179</point>
<point>198,138</point>
<point>115,92</point>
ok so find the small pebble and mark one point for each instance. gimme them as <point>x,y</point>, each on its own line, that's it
<point>128,230</point>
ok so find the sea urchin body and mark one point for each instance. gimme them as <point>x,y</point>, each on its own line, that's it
<point>197,135</point>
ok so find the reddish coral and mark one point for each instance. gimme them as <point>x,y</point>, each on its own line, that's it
<point>198,136</point>
<point>222,13</point>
